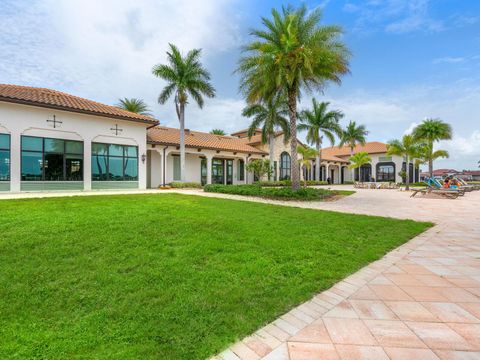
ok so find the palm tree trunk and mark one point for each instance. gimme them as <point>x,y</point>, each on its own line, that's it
<point>430,167</point>
<point>271,139</point>
<point>182,142</point>
<point>318,161</point>
<point>294,166</point>
<point>407,178</point>
<point>353,169</point>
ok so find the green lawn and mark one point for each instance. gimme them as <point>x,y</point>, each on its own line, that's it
<point>166,276</point>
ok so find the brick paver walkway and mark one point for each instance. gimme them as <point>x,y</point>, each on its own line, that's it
<point>421,301</point>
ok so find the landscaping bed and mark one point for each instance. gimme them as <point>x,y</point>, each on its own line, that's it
<point>282,193</point>
<point>167,276</point>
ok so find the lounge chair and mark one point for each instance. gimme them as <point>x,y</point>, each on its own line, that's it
<point>434,184</point>
<point>445,193</point>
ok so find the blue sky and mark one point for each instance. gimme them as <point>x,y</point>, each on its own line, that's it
<point>411,58</point>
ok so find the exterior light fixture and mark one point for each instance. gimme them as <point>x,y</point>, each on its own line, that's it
<point>144,157</point>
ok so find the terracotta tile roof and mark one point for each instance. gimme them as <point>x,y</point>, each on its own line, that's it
<point>328,157</point>
<point>58,100</point>
<point>196,139</point>
<point>373,147</point>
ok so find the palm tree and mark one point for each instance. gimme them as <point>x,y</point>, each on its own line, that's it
<point>408,147</point>
<point>430,131</point>
<point>307,153</point>
<point>352,136</point>
<point>134,105</point>
<point>270,115</point>
<point>358,160</point>
<point>185,77</point>
<point>426,155</point>
<point>291,53</point>
<point>320,122</point>
<point>217,132</point>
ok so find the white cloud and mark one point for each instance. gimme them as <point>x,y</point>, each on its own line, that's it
<point>410,128</point>
<point>394,16</point>
<point>106,49</point>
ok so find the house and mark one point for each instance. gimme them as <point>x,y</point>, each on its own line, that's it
<point>50,140</point>
<point>382,167</point>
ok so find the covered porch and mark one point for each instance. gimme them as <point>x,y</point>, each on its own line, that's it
<point>202,166</point>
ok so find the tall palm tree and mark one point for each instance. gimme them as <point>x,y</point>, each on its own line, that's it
<point>217,132</point>
<point>291,53</point>
<point>408,147</point>
<point>134,105</point>
<point>320,122</point>
<point>186,77</point>
<point>270,115</point>
<point>352,136</point>
<point>431,131</point>
<point>307,153</point>
<point>358,160</point>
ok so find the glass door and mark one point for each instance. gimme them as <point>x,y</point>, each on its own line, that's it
<point>229,179</point>
<point>218,171</point>
<point>203,171</point>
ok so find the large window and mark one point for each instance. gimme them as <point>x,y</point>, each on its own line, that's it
<point>45,159</point>
<point>112,162</point>
<point>285,166</point>
<point>386,172</point>
<point>4,157</point>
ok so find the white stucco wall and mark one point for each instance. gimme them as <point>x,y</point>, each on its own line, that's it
<point>18,120</point>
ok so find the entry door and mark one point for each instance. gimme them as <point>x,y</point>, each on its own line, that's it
<point>332,174</point>
<point>342,173</point>
<point>229,179</point>
<point>203,171</point>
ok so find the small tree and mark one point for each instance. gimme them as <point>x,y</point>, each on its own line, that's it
<point>259,167</point>
<point>217,132</point>
<point>357,160</point>
<point>307,153</point>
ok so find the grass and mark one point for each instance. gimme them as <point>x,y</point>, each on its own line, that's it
<point>281,193</point>
<point>167,276</point>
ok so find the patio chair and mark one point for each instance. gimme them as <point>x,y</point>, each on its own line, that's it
<point>445,193</point>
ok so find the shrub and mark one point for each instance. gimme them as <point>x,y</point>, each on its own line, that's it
<point>288,183</point>
<point>283,193</point>
<point>185,185</point>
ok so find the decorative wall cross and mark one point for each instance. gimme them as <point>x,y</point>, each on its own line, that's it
<point>116,129</point>
<point>56,123</point>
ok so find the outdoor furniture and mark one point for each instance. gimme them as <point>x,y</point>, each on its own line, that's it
<point>445,193</point>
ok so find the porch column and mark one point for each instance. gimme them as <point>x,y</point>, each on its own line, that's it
<point>87,164</point>
<point>15,159</point>
<point>209,168</point>
<point>327,166</point>
<point>245,172</point>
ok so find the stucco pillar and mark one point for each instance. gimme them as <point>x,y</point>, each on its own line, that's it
<point>15,169</point>
<point>327,166</point>
<point>209,168</point>
<point>87,164</point>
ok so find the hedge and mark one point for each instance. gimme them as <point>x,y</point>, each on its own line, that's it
<point>185,185</point>
<point>283,193</point>
<point>288,183</point>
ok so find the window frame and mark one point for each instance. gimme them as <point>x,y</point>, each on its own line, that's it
<point>388,163</point>
<point>43,152</point>
<point>9,150</point>
<point>285,172</point>
<point>108,156</point>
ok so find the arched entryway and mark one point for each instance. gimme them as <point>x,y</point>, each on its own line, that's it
<point>285,166</point>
